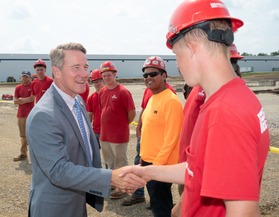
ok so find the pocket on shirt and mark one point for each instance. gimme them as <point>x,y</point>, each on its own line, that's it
<point>190,171</point>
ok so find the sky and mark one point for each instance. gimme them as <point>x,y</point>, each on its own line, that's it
<point>121,26</point>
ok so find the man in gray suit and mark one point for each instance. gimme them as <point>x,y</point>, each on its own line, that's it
<point>66,165</point>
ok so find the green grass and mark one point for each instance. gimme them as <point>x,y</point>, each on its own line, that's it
<point>9,83</point>
<point>260,74</point>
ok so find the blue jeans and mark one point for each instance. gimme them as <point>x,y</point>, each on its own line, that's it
<point>140,191</point>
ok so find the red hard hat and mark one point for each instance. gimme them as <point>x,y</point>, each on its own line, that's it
<point>95,74</point>
<point>154,62</point>
<point>40,62</point>
<point>107,66</point>
<point>192,12</point>
<point>234,53</point>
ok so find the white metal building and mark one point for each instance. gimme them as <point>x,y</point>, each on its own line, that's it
<point>128,66</point>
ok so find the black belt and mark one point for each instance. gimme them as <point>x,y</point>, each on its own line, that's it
<point>144,163</point>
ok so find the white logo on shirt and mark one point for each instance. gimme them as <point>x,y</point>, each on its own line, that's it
<point>190,172</point>
<point>114,97</point>
<point>262,119</point>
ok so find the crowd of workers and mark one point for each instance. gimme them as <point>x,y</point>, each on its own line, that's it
<point>214,148</point>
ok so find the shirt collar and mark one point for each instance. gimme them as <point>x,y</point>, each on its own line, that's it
<point>70,101</point>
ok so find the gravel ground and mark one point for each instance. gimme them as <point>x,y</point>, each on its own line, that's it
<point>15,176</point>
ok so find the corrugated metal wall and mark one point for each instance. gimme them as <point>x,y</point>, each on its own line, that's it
<point>129,66</point>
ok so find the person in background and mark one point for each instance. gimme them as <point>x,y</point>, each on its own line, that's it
<point>195,98</point>
<point>65,155</point>
<point>230,139</point>
<point>138,195</point>
<point>93,104</point>
<point>22,98</point>
<point>235,56</point>
<point>85,95</point>
<point>161,126</point>
<point>117,112</point>
<point>186,90</point>
<point>42,82</point>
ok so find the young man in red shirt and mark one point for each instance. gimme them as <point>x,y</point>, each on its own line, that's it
<point>42,82</point>
<point>22,98</point>
<point>117,112</point>
<point>230,139</point>
<point>194,100</point>
<point>93,104</point>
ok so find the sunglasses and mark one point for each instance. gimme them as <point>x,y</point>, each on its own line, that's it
<point>151,74</point>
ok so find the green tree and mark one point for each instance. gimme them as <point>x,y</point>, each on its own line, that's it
<point>275,53</point>
<point>262,54</point>
<point>246,54</point>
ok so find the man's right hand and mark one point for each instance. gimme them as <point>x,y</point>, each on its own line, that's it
<point>127,182</point>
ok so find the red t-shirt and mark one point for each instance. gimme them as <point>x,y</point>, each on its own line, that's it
<point>148,93</point>
<point>227,152</point>
<point>93,106</point>
<point>86,93</point>
<point>39,87</point>
<point>190,114</point>
<point>115,105</point>
<point>23,91</point>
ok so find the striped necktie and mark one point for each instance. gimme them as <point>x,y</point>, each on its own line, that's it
<point>83,131</point>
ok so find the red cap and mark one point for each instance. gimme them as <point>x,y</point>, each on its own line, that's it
<point>234,53</point>
<point>96,74</point>
<point>107,66</point>
<point>191,12</point>
<point>40,62</point>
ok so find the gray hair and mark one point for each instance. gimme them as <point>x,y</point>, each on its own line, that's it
<point>57,54</point>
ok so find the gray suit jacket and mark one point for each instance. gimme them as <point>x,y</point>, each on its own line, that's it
<point>61,177</point>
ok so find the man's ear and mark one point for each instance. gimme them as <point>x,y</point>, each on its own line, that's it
<point>193,46</point>
<point>56,72</point>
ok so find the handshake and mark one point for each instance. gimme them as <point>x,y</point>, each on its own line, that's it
<point>129,178</point>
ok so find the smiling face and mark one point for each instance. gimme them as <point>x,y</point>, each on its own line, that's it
<point>40,71</point>
<point>98,84</point>
<point>25,80</point>
<point>157,83</point>
<point>73,76</point>
<point>109,78</point>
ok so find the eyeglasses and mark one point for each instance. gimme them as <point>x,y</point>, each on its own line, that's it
<point>151,74</point>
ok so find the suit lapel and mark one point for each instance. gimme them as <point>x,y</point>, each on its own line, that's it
<point>68,113</point>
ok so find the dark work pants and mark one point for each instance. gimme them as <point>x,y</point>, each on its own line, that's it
<point>160,197</point>
<point>140,191</point>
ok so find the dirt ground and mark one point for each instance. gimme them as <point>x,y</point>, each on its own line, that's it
<point>15,176</point>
